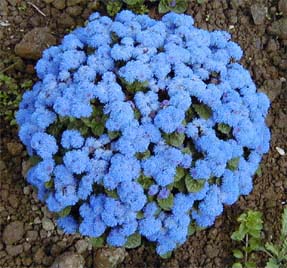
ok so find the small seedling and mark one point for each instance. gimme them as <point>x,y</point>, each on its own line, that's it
<point>249,234</point>
<point>278,252</point>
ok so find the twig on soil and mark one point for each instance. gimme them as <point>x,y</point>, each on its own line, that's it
<point>34,6</point>
<point>8,68</point>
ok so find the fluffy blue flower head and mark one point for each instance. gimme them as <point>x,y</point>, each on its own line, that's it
<point>140,128</point>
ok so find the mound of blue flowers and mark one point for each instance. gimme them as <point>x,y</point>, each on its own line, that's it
<point>142,129</point>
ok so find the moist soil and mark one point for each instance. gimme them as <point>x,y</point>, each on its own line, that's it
<point>32,239</point>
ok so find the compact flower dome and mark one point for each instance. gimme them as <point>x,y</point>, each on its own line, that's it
<point>142,128</point>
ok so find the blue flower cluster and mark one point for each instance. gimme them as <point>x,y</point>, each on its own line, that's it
<point>144,127</point>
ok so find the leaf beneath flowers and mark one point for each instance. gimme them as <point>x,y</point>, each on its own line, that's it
<point>167,203</point>
<point>202,110</point>
<point>97,242</point>
<point>65,212</point>
<point>192,185</point>
<point>133,241</point>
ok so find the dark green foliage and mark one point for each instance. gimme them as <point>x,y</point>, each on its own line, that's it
<point>178,6</point>
<point>10,96</point>
<point>167,203</point>
<point>175,139</point>
<point>65,212</point>
<point>202,110</point>
<point>97,242</point>
<point>193,185</point>
<point>249,233</point>
<point>133,241</point>
<point>233,163</point>
<point>142,6</point>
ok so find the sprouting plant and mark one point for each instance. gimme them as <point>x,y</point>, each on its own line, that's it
<point>10,96</point>
<point>178,6</point>
<point>140,6</point>
<point>278,252</point>
<point>249,233</point>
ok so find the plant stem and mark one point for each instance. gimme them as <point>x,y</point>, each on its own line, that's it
<point>8,68</point>
<point>246,245</point>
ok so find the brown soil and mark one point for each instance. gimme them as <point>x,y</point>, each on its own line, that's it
<point>265,57</point>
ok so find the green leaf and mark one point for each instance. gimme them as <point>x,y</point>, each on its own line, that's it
<point>259,171</point>
<point>180,172</point>
<point>140,215</point>
<point>112,193</point>
<point>98,129</point>
<point>133,241</point>
<point>34,160</point>
<point>143,155</point>
<point>49,184</point>
<point>175,139</point>
<point>97,242</point>
<point>233,163</point>
<point>192,185</point>
<point>186,150</point>
<point>167,203</point>
<point>191,229</point>
<point>113,134</point>
<point>113,7</point>
<point>145,181</point>
<point>178,6</point>
<point>272,249</point>
<point>65,212</point>
<point>181,6</point>
<point>250,265</point>
<point>283,251</point>
<point>133,2</point>
<point>135,86</point>
<point>237,253</point>
<point>272,263</point>
<point>202,110</point>
<point>284,224</point>
<point>237,265</point>
<point>27,84</point>
<point>166,255</point>
<point>224,128</point>
<point>180,185</point>
<point>163,6</point>
<point>254,243</point>
<point>254,223</point>
<point>190,114</point>
<point>239,234</point>
<point>255,233</point>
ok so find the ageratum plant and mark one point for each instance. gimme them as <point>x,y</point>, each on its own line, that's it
<point>142,128</point>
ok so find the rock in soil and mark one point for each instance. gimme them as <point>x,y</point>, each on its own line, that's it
<point>59,4</point>
<point>14,148</point>
<point>282,6</point>
<point>47,224</point>
<point>272,88</point>
<point>13,232</point>
<point>109,257</point>
<point>14,250</point>
<point>81,246</point>
<point>34,42</point>
<point>69,260</point>
<point>279,28</point>
<point>258,13</point>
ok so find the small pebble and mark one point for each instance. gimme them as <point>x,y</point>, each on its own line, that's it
<point>47,224</point>
<point>280,151</point>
